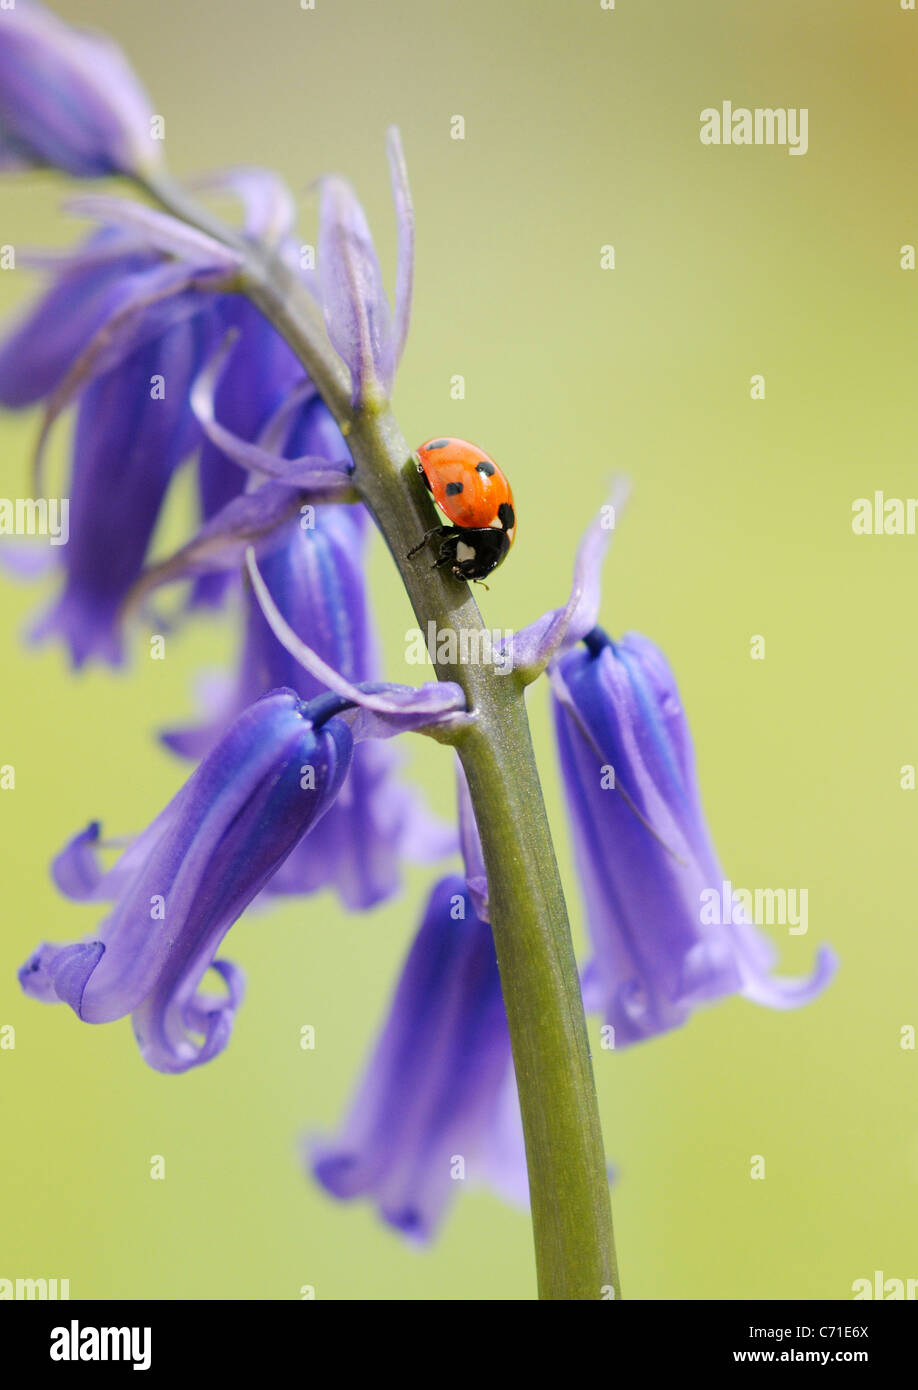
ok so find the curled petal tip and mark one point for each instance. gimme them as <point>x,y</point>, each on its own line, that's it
<point>61,973</point>
<point>779,992</point>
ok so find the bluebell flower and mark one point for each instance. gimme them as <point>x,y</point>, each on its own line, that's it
<point>128,442</point>
<point>315,575</point>
<point>642,845</point>
<point>121,333</point>
<point>182,883</point>
<point>69,99</point>
<point>144,296</point>
<point>437,1104</point>
<point>644,851</point>
<point>312,567</point>
<point>126,329</point>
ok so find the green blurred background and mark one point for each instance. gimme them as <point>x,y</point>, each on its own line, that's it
<point>582,129</point>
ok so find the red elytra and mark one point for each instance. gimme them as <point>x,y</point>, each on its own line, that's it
<point>467,485</point>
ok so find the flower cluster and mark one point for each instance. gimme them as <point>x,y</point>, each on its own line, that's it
<point>296,786</point>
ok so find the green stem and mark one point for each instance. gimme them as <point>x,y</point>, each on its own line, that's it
<point>569,1193</point>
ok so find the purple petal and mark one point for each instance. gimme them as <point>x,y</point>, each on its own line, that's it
<point>55,973</point>
<point>158,231</point>
<point>222,542</point>
<point>353,298</point>
<point>127,445</point>
<point>69,99</point>
<point>316,577</point>
<point>76,870</point>
<point>404,214</point>
<point>268,204</point>
<point>148,304</point>
<point>215,696</point>
<point>775,992</point>
<point>325,475</point>
<point>502,1162</point>
<point>259,378</point>
<point>359,846</point>
<point>105,245</point>
<point>434,1089</point>
<point>400,707</point>
<point>163,1022</point>
<point>40,348</point>
<point>646,860</point>
<point>191,875</point>
<point>470,843</point>
<point>26,558</point>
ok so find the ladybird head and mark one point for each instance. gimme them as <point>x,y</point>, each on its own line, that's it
<point>479,551</point>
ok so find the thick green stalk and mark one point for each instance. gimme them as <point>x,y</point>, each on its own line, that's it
<point>571,1211</point>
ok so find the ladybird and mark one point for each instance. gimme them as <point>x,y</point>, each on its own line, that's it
<point>472,491</point>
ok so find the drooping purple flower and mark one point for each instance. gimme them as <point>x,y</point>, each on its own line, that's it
<point>182,883</point>
<point>187,878</point>
<point>69,99</point>
<point>647,863</point>
<point>313,567</point>
<point>120,333</point>
<point>134,426</point>
<point>437,1104</point>
<point>126,333</point>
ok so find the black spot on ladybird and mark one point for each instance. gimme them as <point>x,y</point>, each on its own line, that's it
<point>505,516</point>
<point>453,489</point>
<point>486,467</point>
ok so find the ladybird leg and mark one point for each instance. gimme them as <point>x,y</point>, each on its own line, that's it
<point>428,535</point>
